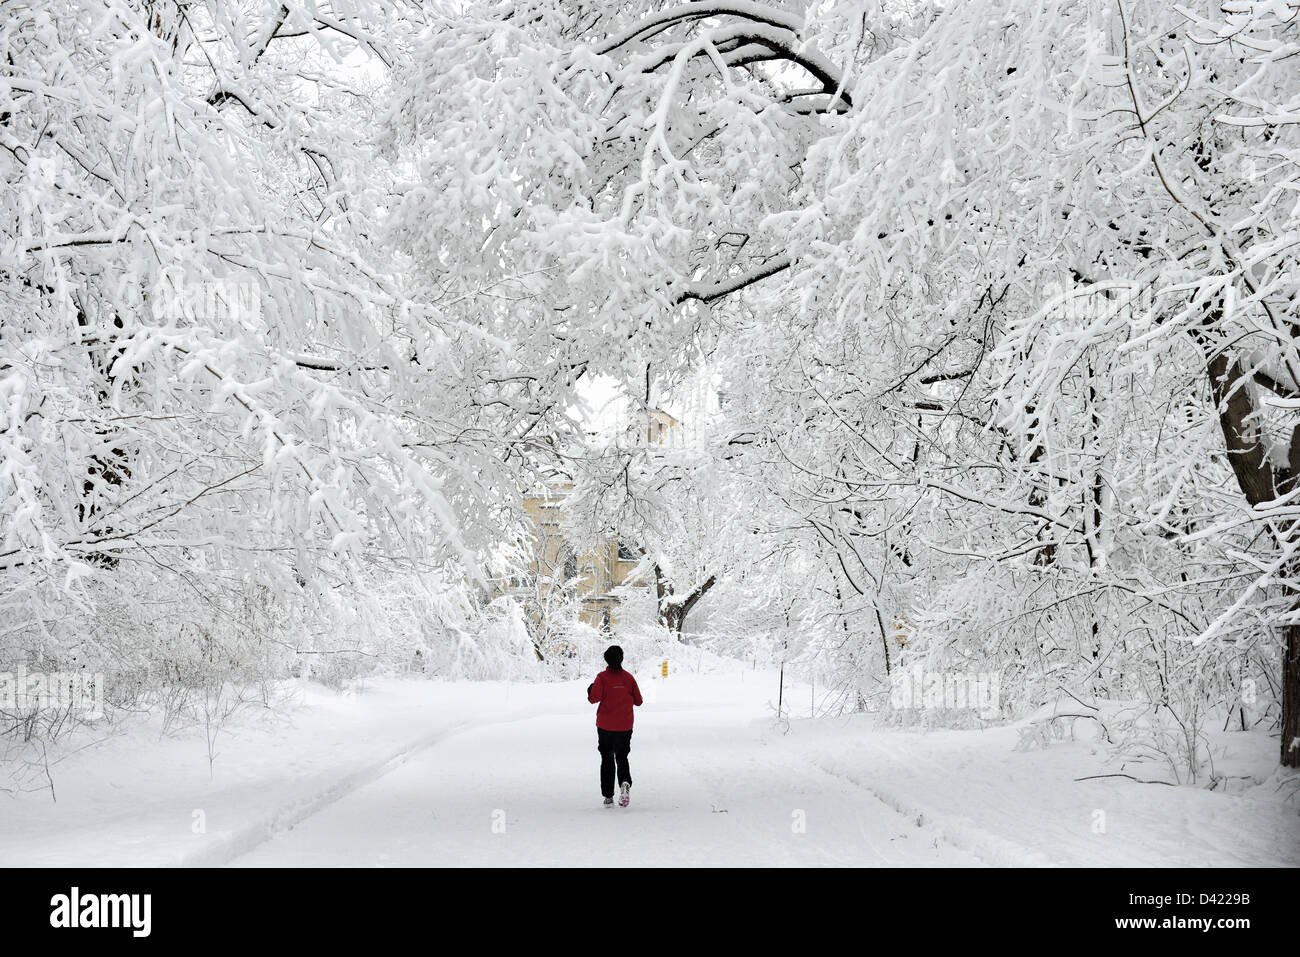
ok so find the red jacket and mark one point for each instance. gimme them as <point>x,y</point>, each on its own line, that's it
<point>616,692</point>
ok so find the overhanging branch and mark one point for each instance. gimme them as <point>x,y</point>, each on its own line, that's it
<point>708,293</point>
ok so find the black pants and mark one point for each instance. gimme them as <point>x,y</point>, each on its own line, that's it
<point>613,747</point>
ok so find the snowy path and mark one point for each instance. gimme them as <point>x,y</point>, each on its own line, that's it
<point>416,772</point>
<point>707,792</point>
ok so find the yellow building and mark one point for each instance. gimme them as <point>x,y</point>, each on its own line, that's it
<point>560,573</point>
<point>560,576</point>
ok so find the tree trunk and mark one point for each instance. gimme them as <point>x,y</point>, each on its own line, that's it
<point>1260,481</point>
<point>1291,697</point>
<point>1046,555</point>
<point>672,614</point>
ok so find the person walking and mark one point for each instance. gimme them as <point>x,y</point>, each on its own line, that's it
<point>616,692</point>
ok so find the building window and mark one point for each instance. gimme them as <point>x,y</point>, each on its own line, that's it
<point>570,566</point>
<point>626,553</point>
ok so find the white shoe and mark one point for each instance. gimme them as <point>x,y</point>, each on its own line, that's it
<point>624,794</point>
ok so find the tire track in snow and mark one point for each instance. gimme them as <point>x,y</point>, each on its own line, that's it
<point>246,838</point>
<point>957,832</point>
<point>770,768</point>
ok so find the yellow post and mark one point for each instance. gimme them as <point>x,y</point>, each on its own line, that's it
<point>665,667</point>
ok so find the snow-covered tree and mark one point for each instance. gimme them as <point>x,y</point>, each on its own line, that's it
<point>221,388</point>
<point>988,274</point>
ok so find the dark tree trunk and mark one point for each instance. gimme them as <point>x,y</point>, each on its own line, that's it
<point>1291,697</point>
<point>884,640</point>
<point>1046,555</point>
<point>1260,481</point>
<point>109,465</point>
<point>672,613</point>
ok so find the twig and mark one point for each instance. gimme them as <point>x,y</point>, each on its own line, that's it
<point>1129,776</point>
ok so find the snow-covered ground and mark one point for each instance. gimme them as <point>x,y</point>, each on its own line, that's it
<point>415,772</point>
